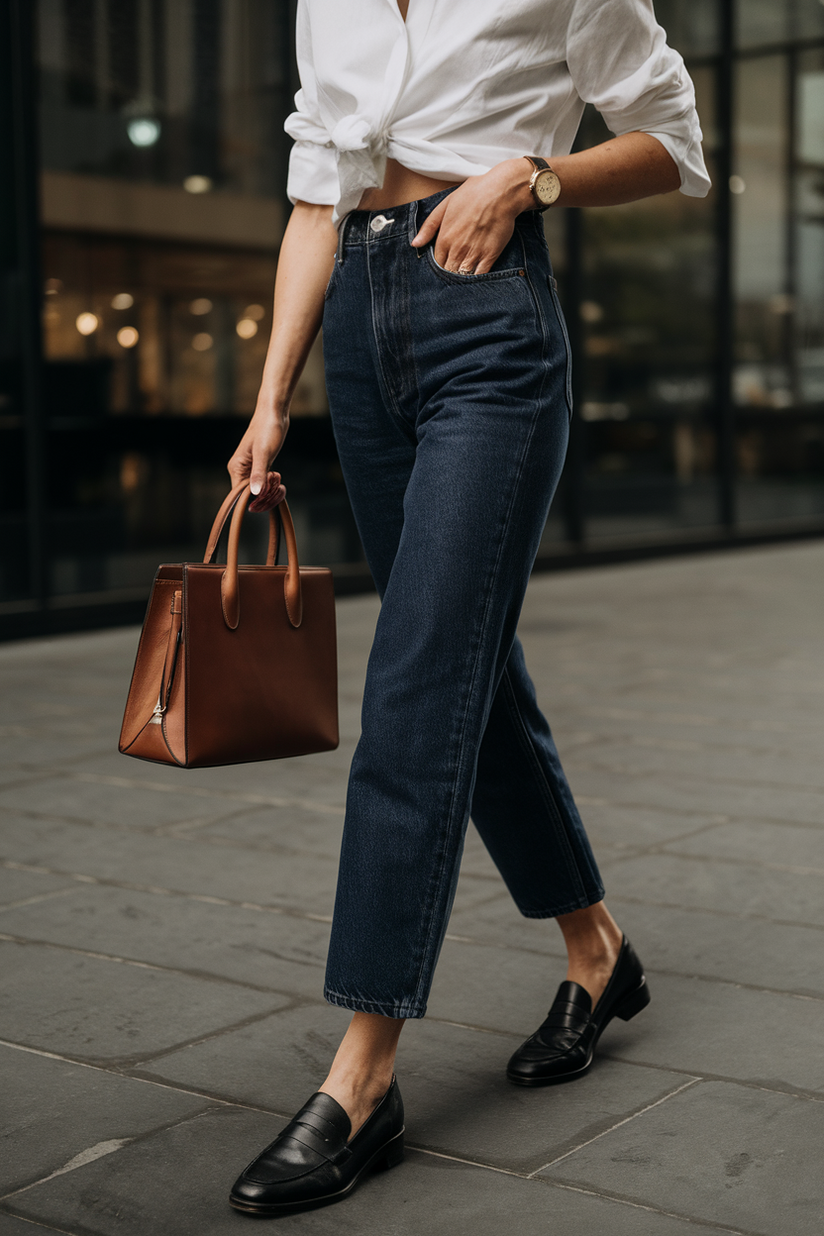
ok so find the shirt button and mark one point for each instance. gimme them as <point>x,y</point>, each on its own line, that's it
<point>379,223</point>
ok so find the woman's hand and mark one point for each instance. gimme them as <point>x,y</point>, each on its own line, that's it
<point>252,459</point>
<point>474,224</point>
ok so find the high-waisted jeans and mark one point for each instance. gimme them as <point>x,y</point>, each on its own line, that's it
<point>450,399</point>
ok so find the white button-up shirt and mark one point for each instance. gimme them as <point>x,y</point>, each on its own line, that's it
<point>464,84</point>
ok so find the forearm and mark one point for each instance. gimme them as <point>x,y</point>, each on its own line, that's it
<point>304,266</point>
<point>624,169</point>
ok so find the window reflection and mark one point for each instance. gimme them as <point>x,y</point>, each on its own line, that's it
<point>139,310</point>
<point>163,179</point>
<point>691,25</point>
<point>764,303</point>
<point>765,22</point>
<point>647,380</point>
<point>167,91</point>
<point>808,269</point>
<point>162,192</point>
<point>778,379</point>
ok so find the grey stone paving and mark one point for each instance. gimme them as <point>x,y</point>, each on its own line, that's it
<point>163,933</point>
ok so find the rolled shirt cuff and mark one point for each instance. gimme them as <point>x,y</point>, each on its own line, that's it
<point>313,174</point>
<point>686,153</point>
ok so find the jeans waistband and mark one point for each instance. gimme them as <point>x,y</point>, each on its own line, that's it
<point>361,227</point>
<point>368,227</point>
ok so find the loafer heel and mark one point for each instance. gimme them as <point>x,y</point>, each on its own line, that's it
<point>634,1003</point>
<point>391,1156</point>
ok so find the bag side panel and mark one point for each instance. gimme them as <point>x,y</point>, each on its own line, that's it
<point>148,667</point>
<point>174,721</point>
<point>150,744</point>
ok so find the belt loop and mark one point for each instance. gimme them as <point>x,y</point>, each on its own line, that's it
<point>341,237</point>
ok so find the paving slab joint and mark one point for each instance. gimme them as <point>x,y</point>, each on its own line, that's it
<point>627,1119</point>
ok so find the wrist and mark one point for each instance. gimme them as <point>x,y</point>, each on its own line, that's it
<point>271,410</point>
<point>514,176</point>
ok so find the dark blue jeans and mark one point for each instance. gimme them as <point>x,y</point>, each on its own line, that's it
<point>450,401</point>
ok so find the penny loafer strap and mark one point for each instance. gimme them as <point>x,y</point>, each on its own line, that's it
<point>313,1140</point>
<point>313,1120</point>
<point>570,1009</point>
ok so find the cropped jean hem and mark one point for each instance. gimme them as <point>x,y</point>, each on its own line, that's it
<point>356,1005</point>
<point>582,903</point>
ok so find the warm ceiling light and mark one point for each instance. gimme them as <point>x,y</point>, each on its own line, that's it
<point>202,342</point>
<point>197,184</point>
<point>200,306</point>
<point>123,300</point>
<point>782,302</point>
<point>53,286</point>
<point>591,311</point>
<point>143,131</point>
<point>246,328</point>
<point>87,323</point>
<point>127,336</point>
<point>255,312</point>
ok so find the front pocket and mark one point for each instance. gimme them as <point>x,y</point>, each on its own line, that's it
<point>452,276</point>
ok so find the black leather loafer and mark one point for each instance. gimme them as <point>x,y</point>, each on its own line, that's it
<point>563,1047</point>
<point>312,1164</point>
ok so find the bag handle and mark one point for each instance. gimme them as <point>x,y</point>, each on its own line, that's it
<point>220,520</point>
<point>229,591</point>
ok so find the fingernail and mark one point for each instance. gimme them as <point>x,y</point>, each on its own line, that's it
<point>256,487</point>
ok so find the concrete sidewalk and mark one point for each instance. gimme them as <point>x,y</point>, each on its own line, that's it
<point>164,932</point>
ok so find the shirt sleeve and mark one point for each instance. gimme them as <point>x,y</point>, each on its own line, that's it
<point>619,61</point>
<point>313,167</point>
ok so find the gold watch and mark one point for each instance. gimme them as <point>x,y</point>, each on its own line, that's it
<point>544,184</point>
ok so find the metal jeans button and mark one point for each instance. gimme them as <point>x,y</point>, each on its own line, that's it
<point>379,223</point>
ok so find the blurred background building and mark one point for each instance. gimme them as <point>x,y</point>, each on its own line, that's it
<point>142,201</point>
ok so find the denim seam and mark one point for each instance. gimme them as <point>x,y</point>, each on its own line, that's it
<point>556,304</point>
<point>545,367</point>
<point>391,401</point>
<point>437,881</point>
<point>508,693</point>
<point>581,904</point>
<point>544,788</point>
<point>356,1004</point>
<point>540,316</point>
<point>408,336</point>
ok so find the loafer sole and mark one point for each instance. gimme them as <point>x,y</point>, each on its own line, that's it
<point>389,1155</point>
<point>557,1080</point>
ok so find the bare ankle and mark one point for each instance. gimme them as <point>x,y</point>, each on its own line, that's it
<point>363,1067</point>
<point>363,1086</point>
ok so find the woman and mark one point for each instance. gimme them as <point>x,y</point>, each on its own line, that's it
<point>418,178</point>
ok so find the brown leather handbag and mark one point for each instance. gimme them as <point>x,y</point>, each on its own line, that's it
<point>235,663</point>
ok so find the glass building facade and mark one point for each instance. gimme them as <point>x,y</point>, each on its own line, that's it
<point>142,200</point>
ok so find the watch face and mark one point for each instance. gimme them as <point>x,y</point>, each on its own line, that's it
<point>547,187</point>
